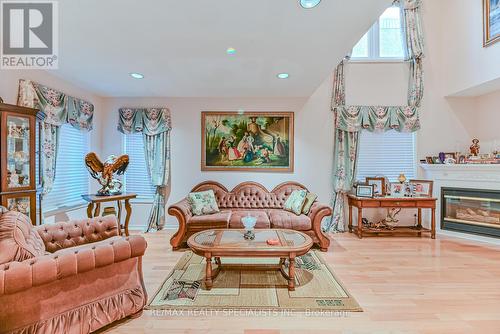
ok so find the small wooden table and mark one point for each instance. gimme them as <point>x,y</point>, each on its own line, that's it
<point>217,243</point>
<point>418,203</point>
<point>97,200</point>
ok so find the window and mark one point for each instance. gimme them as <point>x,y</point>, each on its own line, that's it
<point>72,177</point>
<point>384,40</point>
<point>136,178</point>
<point>386,154</point>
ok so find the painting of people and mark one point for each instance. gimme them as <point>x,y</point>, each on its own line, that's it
<point>256,141</point>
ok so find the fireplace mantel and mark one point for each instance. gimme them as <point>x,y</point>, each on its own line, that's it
<point>472,176</point>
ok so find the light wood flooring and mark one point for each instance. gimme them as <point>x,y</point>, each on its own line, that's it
<point>405,285</point>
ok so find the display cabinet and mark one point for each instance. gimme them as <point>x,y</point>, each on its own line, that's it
<point>20,164</point>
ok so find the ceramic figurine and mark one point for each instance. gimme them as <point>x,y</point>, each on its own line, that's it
<point>401,178</point>
<point>474,148</point>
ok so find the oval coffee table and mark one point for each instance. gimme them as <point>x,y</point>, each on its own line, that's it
<point>217,243</point>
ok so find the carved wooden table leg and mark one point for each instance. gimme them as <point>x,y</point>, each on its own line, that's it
<point>90,207</point>
<point>119,205</point>
<point>419,221</point>
<point>97,209</point>
<point>360,223</point>
<point>291,274</point>
<point>350,218</point>
<point>433,223</point>
<point>128,209</point>
<point>208,273</point>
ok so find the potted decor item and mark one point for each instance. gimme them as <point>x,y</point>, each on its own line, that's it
<point>249,224</point>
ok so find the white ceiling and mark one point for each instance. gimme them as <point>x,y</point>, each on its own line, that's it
<point>179,45</point>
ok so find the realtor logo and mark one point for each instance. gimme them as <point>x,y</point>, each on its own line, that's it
<point>29,34</point>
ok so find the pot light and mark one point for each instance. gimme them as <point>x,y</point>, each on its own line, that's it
<point>283,75</point>
<point>136,75</point>
<point>307,4</point>
<point>231,51</point>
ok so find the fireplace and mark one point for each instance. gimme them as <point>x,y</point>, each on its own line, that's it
<point>471,211</point>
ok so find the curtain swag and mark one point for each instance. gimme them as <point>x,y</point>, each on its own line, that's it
<point>155,125</point>
<point>378,119</point>
<point>58,107</point>
<point>150,121</point>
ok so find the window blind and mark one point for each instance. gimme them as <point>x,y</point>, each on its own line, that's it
<point>136,178</point>
<point>72,177</point>
<point>386,154</point>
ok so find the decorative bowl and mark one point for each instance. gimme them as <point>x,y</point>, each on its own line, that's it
<point>249,222</point>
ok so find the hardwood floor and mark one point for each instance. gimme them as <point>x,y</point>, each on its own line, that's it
<point>405,285</point>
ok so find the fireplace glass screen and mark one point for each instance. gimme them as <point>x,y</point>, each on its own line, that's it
<point>471,211</point>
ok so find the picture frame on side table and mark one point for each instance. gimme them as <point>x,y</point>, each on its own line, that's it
<point>378,184</point>
<point>397,189</point>
<point>422,188</point>
<point>363,190</point>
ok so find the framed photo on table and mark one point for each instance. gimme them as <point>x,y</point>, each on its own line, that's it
<point>363,190</point>
<point>397,189</point>
<point>378,184</point>
<point>422,188</point>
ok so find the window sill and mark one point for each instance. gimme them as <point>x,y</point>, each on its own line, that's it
<point>378,61</point>
<point>66,208</point>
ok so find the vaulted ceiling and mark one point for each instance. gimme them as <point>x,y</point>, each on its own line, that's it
<point>180,45</point>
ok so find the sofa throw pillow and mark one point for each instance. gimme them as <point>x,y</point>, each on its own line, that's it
<point>203,203</point>
<point>310,198</point>
<point>295,201</point>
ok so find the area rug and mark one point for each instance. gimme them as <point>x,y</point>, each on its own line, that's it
<point>317,288</point>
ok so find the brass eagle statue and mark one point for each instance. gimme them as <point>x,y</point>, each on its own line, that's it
<point>103,172</point>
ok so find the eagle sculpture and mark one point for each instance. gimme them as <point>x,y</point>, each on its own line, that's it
<point>104,172</point>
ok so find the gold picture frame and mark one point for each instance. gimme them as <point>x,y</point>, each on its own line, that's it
<point>247,141</point>
<point>490,37</point>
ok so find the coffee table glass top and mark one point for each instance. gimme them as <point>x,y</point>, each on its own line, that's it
<point>234,238</point>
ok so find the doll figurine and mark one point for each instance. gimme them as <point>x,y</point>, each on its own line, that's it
<point>474,148</point>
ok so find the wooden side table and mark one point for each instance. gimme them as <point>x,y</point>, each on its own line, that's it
<point>97,200</point>
<point>418,203</point>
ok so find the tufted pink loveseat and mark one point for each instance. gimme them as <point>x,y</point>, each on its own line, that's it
<point>250,198</point>
<point>71,277</point>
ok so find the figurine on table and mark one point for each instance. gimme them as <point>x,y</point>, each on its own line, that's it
<point>474,148</point>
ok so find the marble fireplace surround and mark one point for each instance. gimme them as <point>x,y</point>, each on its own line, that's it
<point>461,176</point>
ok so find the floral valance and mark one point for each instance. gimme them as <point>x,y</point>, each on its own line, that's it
<point>150,121</point>
<point>58,107</point>
<point>372,118</point>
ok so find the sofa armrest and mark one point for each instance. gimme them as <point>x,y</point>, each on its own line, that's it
<point>19,276</point>
<point>182,211</point>
<point>182,207</point>
<point>317,213</point>
<point>77,232</point>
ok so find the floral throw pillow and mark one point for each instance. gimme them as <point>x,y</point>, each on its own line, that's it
<point>203,203</point>
<point>295,201</point>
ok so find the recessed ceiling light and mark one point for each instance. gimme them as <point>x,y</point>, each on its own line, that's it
<point>307,4</point>
<point>231,51</point>
<point>283,75</point>
<point>136,75</point>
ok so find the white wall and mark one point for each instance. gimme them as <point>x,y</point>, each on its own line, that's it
<point>313,141</point>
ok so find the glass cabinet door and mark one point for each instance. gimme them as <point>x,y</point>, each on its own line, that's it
<point>19,173</point>
<point>22,202</point>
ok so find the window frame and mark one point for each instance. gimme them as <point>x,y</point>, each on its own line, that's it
<point>373,38</point>
<point>415,158</point>
<point>138,199</point>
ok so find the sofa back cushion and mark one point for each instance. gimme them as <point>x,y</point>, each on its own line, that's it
<point>18,239</point>
<point>250,195</point>
<point>77,232</point>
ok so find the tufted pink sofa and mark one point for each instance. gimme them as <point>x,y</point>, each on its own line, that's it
<point>250,198</point>
<point>72,277</point>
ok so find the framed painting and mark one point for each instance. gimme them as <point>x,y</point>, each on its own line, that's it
<point>491,22</point>
<point>249,141</point>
